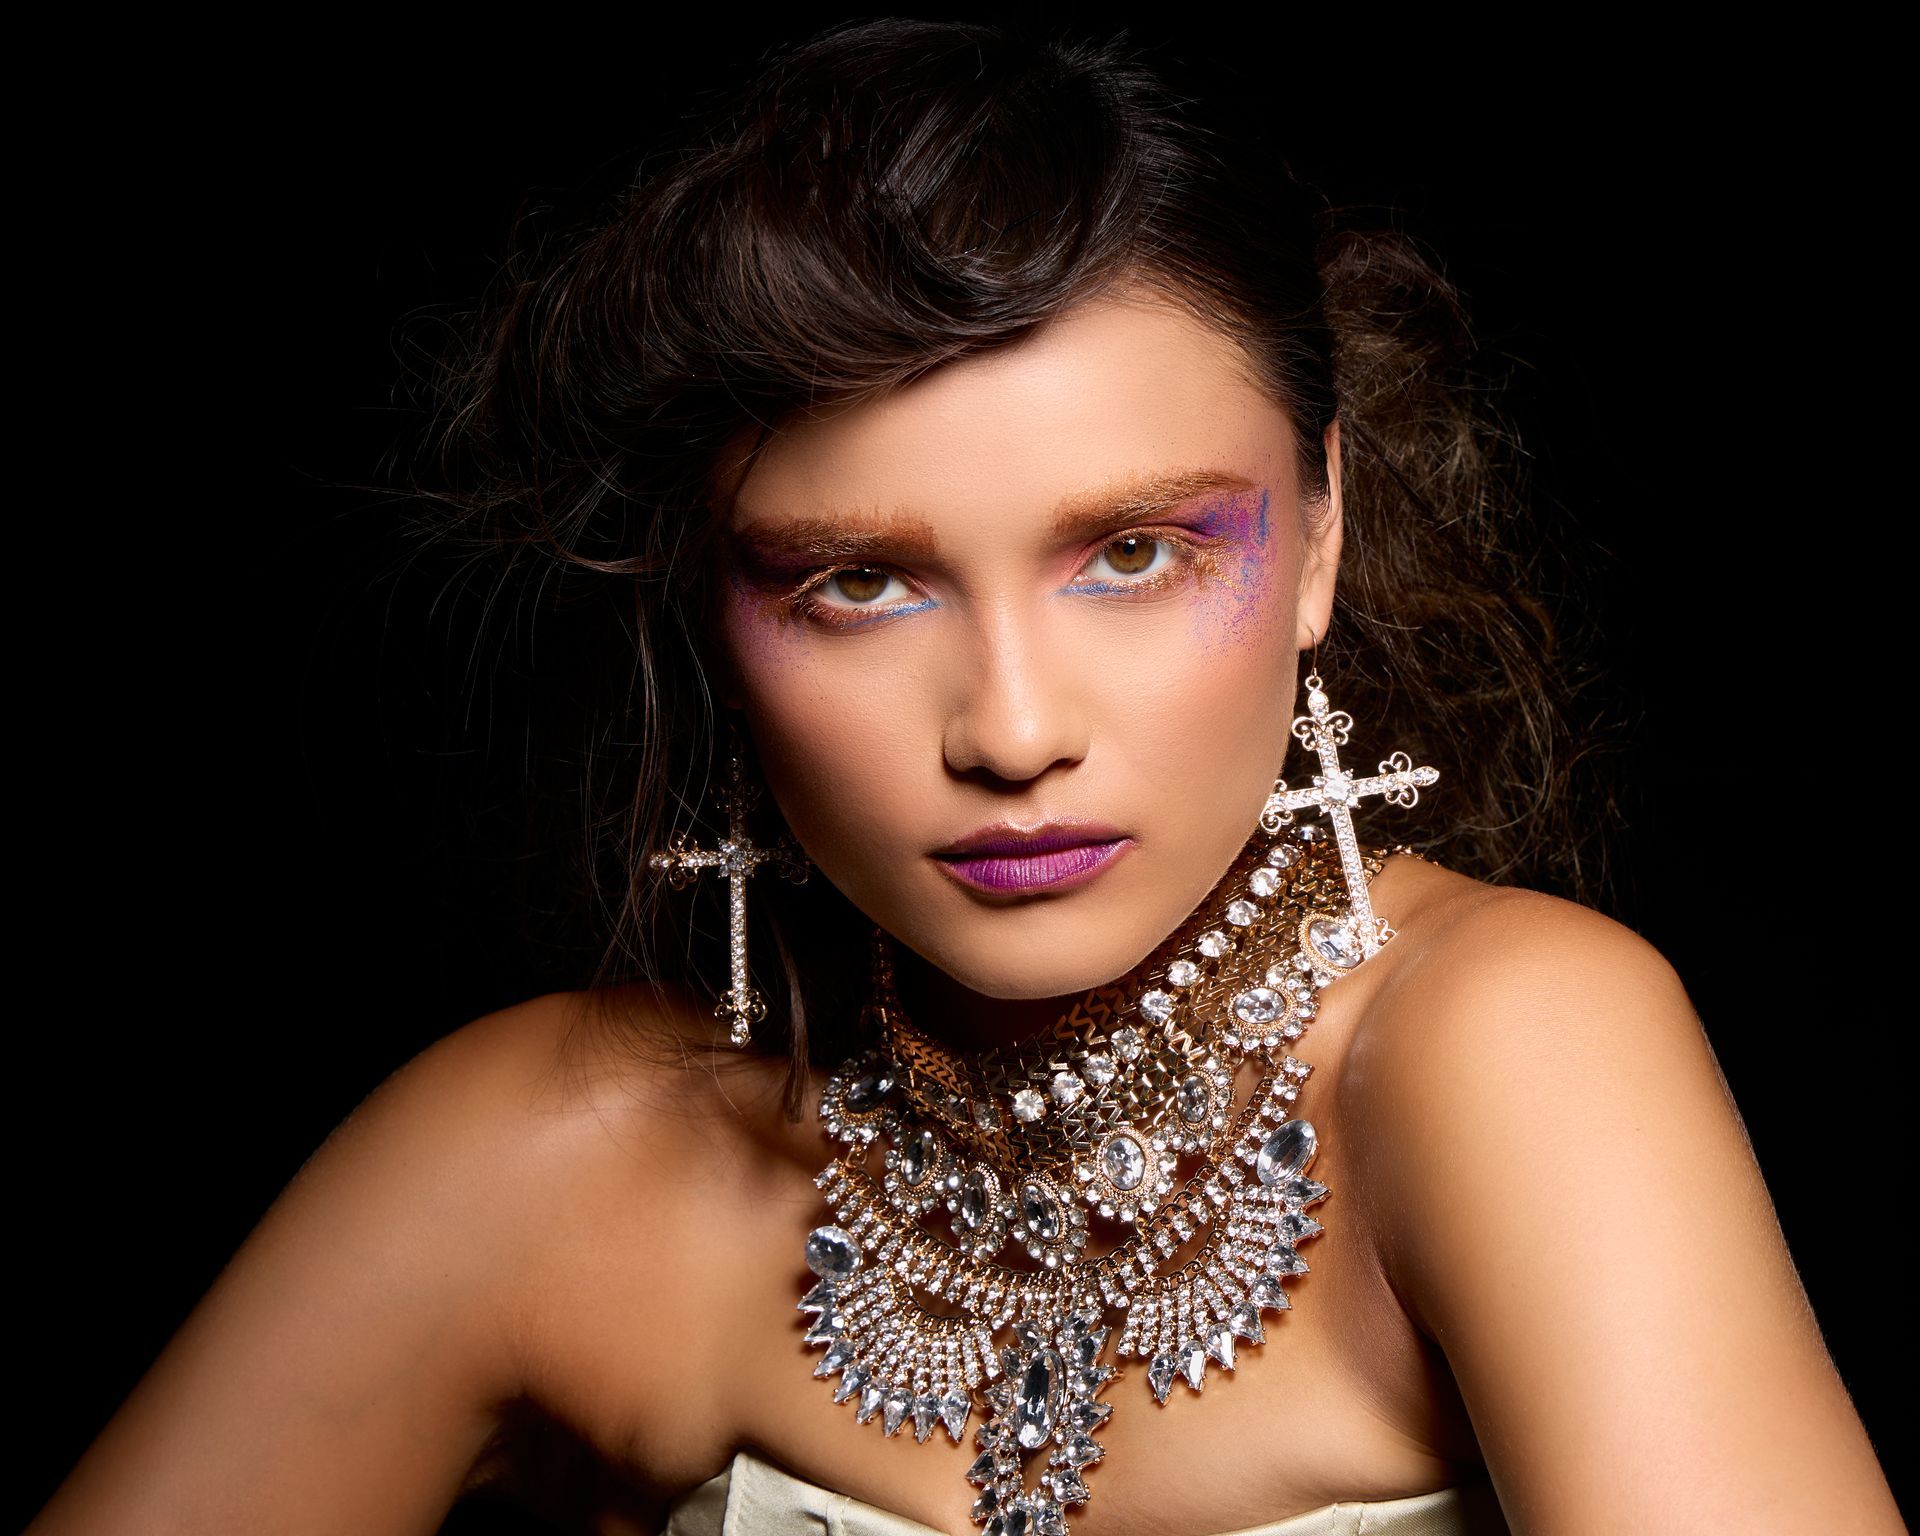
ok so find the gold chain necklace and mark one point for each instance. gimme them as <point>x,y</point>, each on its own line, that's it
<point>1025,1145</point>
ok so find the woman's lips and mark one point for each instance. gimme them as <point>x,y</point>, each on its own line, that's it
<point>1056,870</point>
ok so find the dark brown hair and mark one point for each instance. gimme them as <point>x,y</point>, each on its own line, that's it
<point>890,195</point>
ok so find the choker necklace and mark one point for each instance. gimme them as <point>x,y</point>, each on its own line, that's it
<point>1018,1150</point>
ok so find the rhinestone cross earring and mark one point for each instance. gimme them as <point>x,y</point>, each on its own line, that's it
<point>1334,794</point>
<point>737,857</point>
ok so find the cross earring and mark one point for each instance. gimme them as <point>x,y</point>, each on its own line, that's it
<point>1334,794</point>
<point>737,857</point>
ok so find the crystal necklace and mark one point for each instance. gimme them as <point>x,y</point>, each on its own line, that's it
<point>1023,1148</point>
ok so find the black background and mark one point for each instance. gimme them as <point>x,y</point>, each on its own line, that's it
<point>275,836</point>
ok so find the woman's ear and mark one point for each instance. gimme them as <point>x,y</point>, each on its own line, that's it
<point>1320,562</point>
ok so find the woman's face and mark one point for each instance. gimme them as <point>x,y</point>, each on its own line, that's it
<point>1064,581</point>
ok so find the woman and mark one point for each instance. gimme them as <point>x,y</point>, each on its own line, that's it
<point>992,444</point>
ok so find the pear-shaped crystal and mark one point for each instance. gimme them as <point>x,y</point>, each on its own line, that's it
<point>982,1471</point>
<point>1220,1344</point>
<point>852,1380</point>
<point>1082,1450</point>
<point>1160,1374</point>
<point>894,1410</point>
<point>1266,1292</point>
<point>831,1251</point>
<point>954,1409</point>
<point>1069,1487</point>
<point>1301,1192</point>
<point>823,1328</point>
<point>838,1354</point>
<point>926,1413</point>
<point>1288,1151</point>
<point>871,1396</point>
<point>1089,1416</point>
<point>1193,1362</point>
<point>1245,1321</point>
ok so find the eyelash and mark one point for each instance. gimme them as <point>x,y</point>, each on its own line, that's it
<point>1190,557</point>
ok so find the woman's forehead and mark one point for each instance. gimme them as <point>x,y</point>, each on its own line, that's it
<point>1113,400</point>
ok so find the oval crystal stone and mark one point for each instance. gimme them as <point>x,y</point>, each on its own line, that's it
<point>869,1090</point>
<point>976,1200</point>
<point>1193,1098</point>
<point>1257,1005</point>
<point>1033,1408</point>
<point>1041,1214</point>
<point>1334,942</point>
<point>831,1253</point>
<point>1287,1152</point>
<point>918,1157</point>
<point>1124,1161</point>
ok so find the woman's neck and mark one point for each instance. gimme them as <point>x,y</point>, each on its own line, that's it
<point>964,1019</point>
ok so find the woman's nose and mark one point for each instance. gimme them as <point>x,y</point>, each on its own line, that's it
<point>1018,708</point>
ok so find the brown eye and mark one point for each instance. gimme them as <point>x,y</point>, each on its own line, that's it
<point>1131,554</point>
<point>860,583</point>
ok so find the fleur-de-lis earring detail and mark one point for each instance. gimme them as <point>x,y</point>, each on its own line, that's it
<point>737,857</point>
<point>1334,794</point>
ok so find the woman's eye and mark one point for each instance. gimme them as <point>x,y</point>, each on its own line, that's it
<point>1133,557</point>
<point>861,586</point>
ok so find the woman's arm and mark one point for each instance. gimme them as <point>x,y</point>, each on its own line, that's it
<point>348,1366</point>
<point>1572,1211</point>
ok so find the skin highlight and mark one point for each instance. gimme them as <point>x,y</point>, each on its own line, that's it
<point>1069,578</point>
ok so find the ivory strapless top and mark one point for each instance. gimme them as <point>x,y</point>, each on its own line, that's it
<point>755,1498</point>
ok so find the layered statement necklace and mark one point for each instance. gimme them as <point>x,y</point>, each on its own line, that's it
<point>954,1278</point>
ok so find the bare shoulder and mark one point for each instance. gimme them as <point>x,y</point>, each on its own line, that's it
<point>1566,1202</point>
<point>396,1298</point>
<point>1515,1019</point>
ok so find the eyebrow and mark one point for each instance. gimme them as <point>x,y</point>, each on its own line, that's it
<point>859,536</point>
